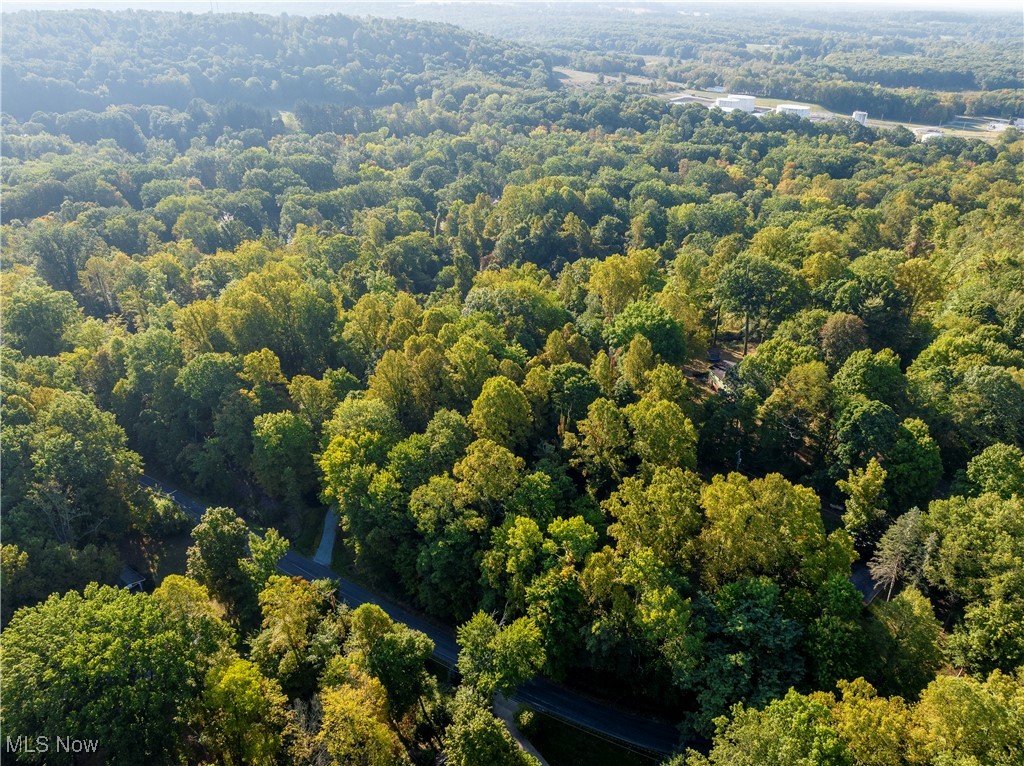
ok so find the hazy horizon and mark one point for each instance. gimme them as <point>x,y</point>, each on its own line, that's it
<point>321,6</point>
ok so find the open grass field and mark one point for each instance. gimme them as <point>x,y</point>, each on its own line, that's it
<point>767,102</point>
<point>971,129</point>
<point>577,78</point>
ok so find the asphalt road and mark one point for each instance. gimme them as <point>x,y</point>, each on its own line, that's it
<point>610,722</point>
<point>860,576</point>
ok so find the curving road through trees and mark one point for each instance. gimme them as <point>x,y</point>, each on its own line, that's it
<point>599,717</point>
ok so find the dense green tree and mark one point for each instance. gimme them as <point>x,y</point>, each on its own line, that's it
<point>991,636</point>
<point>314,399</point>
<point>292,611</point>
<point>662,514</point>
<point>349,464</point>
<point>497,657</point>
<point>795,419</point>
<point>282,459</point>
<point>988,407</point>
<point>572,389</point>
<point>873,376</point>
<point>501,413</point>
<point>619,280</point>
<point>393,654</point>
<point>602,448</point>
<point>468,365</point>
<point>59,251</point>
<point>758,288</point>
<point>750,650</point>
<point>554,601</point>
<point>516,556</point>
<point>655,324</point>
<point>188,605</point>
<point>206,381</point>
<point>221,541</point>
<point>73,480</point>
<point>354,728</point>
<point>865,429</point>
<point>835,640</point>
<point>773,360</point>
<point>794,729</point>
<point>876,729</point>
<point>906,637</point>
<point>447,566</point>
<point>107,665</point>
<point>418,457</point>
<point>999,469</point>
<point>914,464</point>
<point>476,736</point>
<point>662,434</point>
<point>978,541</point>
<point>970,720</point>
<point>488,475</point>
<point>36,317</point>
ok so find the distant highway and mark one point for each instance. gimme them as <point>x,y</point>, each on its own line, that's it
<point>622,726</point>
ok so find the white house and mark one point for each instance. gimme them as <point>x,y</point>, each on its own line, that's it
<point>861,117</point>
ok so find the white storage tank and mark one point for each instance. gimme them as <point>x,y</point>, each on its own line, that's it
<point>732,101</point>
<point>798,109</point>
<point>744,103</point>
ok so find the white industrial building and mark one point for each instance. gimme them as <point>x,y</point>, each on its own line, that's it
<point>732,101</point>
<point>861,117</point>
<point>798,109</point>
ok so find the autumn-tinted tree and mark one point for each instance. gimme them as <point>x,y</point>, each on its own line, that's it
<point>354,727</point>
<point>244,715</point>
<point>767,527</point>
<point>865,502</point>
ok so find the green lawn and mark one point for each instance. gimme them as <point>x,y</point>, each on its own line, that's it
<point>564,745</point>
<point>165,556</point>
<point>777,101</point>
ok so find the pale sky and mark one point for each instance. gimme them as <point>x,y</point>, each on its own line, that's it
<point>278,5</point>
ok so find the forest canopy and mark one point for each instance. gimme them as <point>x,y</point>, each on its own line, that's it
<point>718,415</point>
